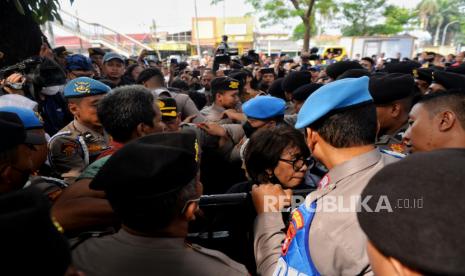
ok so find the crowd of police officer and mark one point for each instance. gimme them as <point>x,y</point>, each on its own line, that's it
<point>104,160</point>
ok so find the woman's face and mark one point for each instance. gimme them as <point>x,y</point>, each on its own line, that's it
<point>286,172</point>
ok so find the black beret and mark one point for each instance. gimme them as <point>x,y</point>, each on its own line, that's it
<point>276,89</point>
<point>267,71</point>
<point>235,64</point>
<point>336,69</point>
<point>424,74</point>
<point>449,80</point>
<point>12,131</point>
<point>354,73</point>
<point>149,167</point>
<point>60,51</point>
<point>239,75</point>
<point>404,67</point>
<point>391,87</point>
<point>31,243</point>
<point>96,51</point>
<point>295,80</point>
<point>224,84</point>
<point>303,92</point>
<point>458,69</point>
<point>424,226</point>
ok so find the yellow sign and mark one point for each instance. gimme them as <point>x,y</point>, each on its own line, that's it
<point>170,46</point>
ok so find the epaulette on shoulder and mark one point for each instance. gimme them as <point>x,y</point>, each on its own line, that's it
<point>60,134</point>
<point>75,242</point>
<point>393,153</point>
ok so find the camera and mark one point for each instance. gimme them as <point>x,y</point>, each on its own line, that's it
<point>24,67</point>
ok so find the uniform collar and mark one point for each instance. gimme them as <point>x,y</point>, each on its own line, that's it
<point>218,108</point>
<point>83,129</point>
<point>397,135</point>
<point>330,180</point>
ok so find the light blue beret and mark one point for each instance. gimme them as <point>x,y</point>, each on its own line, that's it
<point>340,94</point>
<point>264,107</point>
<point>30,119</point>
<point>84,86</point>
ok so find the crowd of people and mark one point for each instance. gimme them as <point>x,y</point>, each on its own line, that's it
<point>104,160</point>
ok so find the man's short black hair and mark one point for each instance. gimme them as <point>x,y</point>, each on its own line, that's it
<point>349,128</point>
<point>265,148</point>
<point>149,73</point>
<point>124,108</point>
<point>369,59</point>
<point>453,100</point>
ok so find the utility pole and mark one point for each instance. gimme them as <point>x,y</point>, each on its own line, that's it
<point>444,32</point>
<point>197,29</point>
<point>154,33</point>
<point>81,48</point>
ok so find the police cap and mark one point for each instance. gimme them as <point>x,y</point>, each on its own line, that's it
<point>449,80</point>
<point>424,74</point>
<point>30,240</point>
<point>423,227</point>
<point>264,107</point>
<point>295,80</point>
<point>267,71</point>
<point>96,51</point>
<point>336,69</point>
<point>224,84</point>
<point>168,108</point>
<point>391,87</point>
<point>78,62</point>
<point>404,67</point>
<point>303,92</point>
<point>338,95</point>
<point>83,87</point>
<point>354,73</point>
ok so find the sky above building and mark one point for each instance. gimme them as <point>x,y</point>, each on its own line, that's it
<point>136,16</point>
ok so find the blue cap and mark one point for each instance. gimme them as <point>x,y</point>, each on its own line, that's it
<point>84,86</point>
<point>315,68</point>
<point>264,107</point>
<point>340,94</point>
<point>30,119</point>
<point>110,55</point>
<point>78,62</point>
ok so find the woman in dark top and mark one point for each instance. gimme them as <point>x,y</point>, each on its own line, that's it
<point>278,156</point>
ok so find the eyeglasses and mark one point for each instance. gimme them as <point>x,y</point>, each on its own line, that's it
<point>298,164</point>
<point>197,200</point>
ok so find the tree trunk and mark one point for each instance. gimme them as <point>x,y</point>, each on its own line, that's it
<point>438,31</point>
<point>308,29</point>
<point>20,35</point>
<point>308,25</point>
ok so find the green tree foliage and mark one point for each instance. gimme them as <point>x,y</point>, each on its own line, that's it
<point>20,34</point>
<point>375,17</point>
<point>435,15</point>
<point>279,11</point>
<point>41,10</point>
<point>361,16</point>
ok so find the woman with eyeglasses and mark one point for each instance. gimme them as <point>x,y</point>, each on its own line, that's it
<point>279,156</point>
